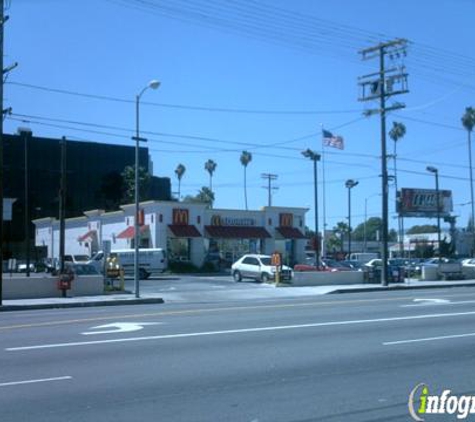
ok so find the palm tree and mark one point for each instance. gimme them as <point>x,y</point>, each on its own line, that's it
<point>210,167</point>
<point>180,171</point>
<point>397,132</point>
<point>468,122</point>
<point>246,158</point>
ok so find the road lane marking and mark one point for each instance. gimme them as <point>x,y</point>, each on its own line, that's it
<point>210,311</point>
<point>420,340</point>
<point>436,302</point>
<point>236,331</point>
<point>13,383</point>
<point>120,327</point>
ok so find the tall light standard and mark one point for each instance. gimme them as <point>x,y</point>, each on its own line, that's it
<point>436,173</point>
<point>314,156</point>
<point>26,134</point>
<point>154,85</point>
<point>350,184</point>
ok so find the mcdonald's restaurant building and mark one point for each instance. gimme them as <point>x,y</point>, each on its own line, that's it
<point>190,232</point>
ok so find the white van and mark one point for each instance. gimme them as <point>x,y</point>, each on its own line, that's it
<point>151,261</point>
<point>363,257</point>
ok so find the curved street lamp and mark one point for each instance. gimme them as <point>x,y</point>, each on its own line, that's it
<point>153,84</point>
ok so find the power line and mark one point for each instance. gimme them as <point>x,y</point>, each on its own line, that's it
<point>181,106</point>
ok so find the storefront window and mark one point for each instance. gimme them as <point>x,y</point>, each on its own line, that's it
<point>179,249</point>
<point>230,250</point>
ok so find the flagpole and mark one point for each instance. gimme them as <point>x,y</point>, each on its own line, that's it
<point>324,250</point>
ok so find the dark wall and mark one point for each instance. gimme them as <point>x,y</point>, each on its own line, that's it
<point>93,178</point>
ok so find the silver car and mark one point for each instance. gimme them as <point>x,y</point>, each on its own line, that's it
<point>257,267</point>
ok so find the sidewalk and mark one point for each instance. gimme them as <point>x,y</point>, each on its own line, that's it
<point>282,292</point>
<point>80,301</point>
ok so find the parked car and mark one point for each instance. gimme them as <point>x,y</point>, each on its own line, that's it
<point>325,265</point>
<point>76,259</point>
<point>21,267</point>
<point>257,267</point>
<point>395,273</point>
<point>81,269</point>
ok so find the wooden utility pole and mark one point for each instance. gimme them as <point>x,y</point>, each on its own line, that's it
<point>270,178</point>
<point>380,86</point>
<point>2,25</point>
<point>62,205</point>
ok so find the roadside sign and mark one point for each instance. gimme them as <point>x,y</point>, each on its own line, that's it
<point>276,259</point>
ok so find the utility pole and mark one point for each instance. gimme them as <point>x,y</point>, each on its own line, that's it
<point>62,205</point>
<point>270,178</point>
<point>2,25</point>
<point>380,86</point>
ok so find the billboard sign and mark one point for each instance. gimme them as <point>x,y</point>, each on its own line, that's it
<point>423,203</point>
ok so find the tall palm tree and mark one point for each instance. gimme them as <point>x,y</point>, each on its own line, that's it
<point>397,132</point>
<point>180,171</point>
<point>246,158</point>
<point>468,122</point>
<point>210,167</point>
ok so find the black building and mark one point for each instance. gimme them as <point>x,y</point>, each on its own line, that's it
<point>93,180</point>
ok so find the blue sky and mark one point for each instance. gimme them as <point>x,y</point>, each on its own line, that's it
<point>262,76</point>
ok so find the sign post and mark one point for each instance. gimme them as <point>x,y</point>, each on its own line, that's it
<point>276,261</point>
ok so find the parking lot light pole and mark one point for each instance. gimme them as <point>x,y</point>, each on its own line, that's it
<point>436,173</point>
<point>26,133</point>
<point>350,184</point>
<point>314,156</point>
<point>154,84</point>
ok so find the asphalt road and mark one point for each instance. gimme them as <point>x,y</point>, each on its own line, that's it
<point>336,358</point>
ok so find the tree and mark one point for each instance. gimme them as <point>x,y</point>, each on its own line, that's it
<point>210,167</point>
<point>180,171</point>
<point>205,195</point>
<point>246,158</point>
<point>128,176</point>
<point>397,132</point>
<point>112,187</point>
<point>373,225</point>
<point>426,228</point>
<point>468,122</point>
<point>340,230</point>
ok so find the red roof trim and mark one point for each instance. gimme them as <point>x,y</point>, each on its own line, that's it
<point>290,233</point>
<point>179,230</point>
<point>89,234</point>
<point>129,232</point>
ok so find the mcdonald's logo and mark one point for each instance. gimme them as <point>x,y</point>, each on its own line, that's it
<point>216,220</point>
<point>286,220</point>
<point>180,217</point>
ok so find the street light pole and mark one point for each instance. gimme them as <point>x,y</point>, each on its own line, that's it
<point>436,173</point>
<point>350,183</point>
<point>154,85</point>
<point>314,156</point>
<point>26,134</point>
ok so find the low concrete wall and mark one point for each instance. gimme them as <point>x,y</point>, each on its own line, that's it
<point>36,287</point>
<point>336,278</point>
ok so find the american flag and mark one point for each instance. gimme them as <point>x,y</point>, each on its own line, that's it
<point>330,140</point>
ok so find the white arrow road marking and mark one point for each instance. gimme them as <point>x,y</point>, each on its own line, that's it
<point>426,302</point>
<point>119,327</point>
<point>10,384</point>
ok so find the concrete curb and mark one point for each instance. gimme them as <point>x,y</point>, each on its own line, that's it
<point>86,304</point>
